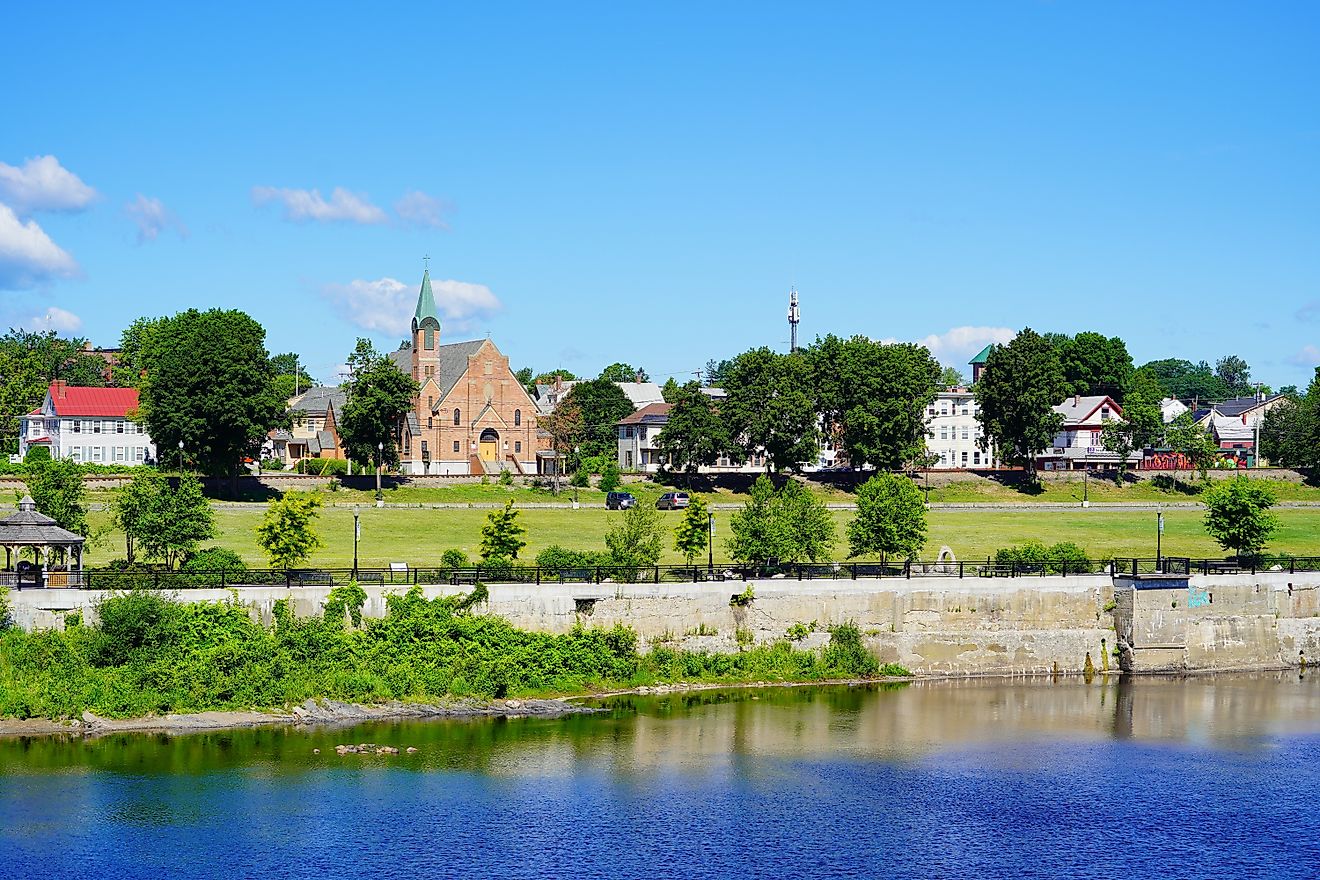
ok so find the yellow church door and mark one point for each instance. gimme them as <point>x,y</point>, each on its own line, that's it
<point>490,445</point>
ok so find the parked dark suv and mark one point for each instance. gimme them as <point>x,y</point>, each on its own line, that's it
<point>620,501</point>
<point>672,501</point>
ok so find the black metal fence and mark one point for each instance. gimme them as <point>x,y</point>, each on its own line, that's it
<point>111,579</point>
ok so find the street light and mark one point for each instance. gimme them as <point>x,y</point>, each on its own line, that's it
<point>1159,534</point>
<point>357,533</point>
<point>380,456</point>
<point>180,456</point>
<point>1086,481</point>
<point>710,541</point>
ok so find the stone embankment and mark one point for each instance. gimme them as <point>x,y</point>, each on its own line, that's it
<point>312,712</point>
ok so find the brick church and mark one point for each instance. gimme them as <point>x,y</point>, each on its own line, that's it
<point>472,415</point>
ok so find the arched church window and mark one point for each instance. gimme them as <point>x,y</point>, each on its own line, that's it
<point>517,417</point>
<point>458,418</point>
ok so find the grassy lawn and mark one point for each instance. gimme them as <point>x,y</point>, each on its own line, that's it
<point>419,536</point>
<point>988,491</point>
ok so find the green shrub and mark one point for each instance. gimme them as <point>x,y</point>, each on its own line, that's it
<point>36,455</point>
<point>348,597</point>
<point>6,610</point>
<point>323,467</point>
<point>506,478</point>
<point>1035,556</point>
<point>609,477</point>
<point>581,478</point>
<point>272,464</point>
<point>846,653</point>
<point>560,558</point>
<point>454,558</point>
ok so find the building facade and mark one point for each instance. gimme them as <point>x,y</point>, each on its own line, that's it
<point>1078,445</point>
<point>88,425</point>
<point>472,415</point>
<point>952,432</point>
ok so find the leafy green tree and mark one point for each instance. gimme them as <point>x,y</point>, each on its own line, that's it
<point>716,373</point>
<point>290,377</point>
<point>129,367</point>
<point>1186,437</point>
<point>501,536</point>
<point>695,435</point>
<point>379,396</point>
<point>1290,430</point>
<point>876,395</point>
<point>29,362</point>
<point>692,536</point>
<point>890,520</point>
<point>1093,364</point>
<point>768,408</point>
<point>208,382</point>
<point>564,426</point>
<point>609,476</point>
<point>1234,372</point>
<point>550,377</point>
<point>638,538</point>
<point>1021,384</point>
<point>602,404</point>
<point>1188,381</point>
<point>1142,423</point>
<point>527,378</point>
<point>621,372</point>
<point>59,492</point>
<point>951,377</point>
<point>164,519</point>
<point>670,390</point>
<point>288,530</point>
<point>788,525</point>
<point>1237,515</point>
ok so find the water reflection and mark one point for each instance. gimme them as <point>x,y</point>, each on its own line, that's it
<point>710,732</point>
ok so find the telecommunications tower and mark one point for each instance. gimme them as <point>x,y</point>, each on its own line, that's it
<point>793,317</point>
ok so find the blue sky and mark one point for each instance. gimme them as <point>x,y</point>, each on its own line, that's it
<point>643,183</point>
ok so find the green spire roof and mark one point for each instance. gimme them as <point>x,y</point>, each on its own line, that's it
<point>982,357</point>
<point>425,303</point>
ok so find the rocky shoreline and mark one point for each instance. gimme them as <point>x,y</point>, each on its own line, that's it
<point>312,712</point>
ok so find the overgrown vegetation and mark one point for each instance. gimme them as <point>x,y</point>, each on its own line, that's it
<point>1057,558</point>
<point>150,654</point>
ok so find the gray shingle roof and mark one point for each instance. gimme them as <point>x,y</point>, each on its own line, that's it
<point>453,361</point>
<point>317,398</point>
<point>30,527</point>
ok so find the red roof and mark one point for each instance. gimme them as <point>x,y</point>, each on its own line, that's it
<point>105,402</point>
<point>650,412</point>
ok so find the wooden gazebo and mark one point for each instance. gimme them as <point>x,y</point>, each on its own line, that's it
<point>31,529</point>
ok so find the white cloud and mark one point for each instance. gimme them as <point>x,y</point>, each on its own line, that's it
<point>387,304</point>
<point>418,208</point>
<point>1309,313</point>
<point>56,319</point>
<point>27,255</point>
<point>1309,356</point>
<point>43,184</point>
<point>308,204</point>
<point>960,342</point>
<point>152,218</point>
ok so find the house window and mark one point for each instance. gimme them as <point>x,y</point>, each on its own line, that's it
<point>428,372</point>
<point>944,432</point>
<point>964,409</point>
<point>119,453</point>
<point>139,454</point>
<point>517,417</point>
<point>627,432</point>
<point>456,446</point>
<point>458,419</point>
<point>488,367</point>
<point>976,457</point>
<point>96,453</point>
<point>425,452</point>
<point>517,446</point>
<point>76,426</point>
<point>430,402</point>
<point>119,426</point>
<point>76,453</point>
<point>944,409</point>
<point>96,427</point>
<point>627,460</point>
<point>646,457</point>
<point>430,338</point>
<point>964,459</point>
<point>931,410</point>
<point>964,433</point>
<point>1104,413</point>
<point>430,423</point>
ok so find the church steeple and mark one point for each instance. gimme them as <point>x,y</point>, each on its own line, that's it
<point>426,313</point>
<point>425,333</point>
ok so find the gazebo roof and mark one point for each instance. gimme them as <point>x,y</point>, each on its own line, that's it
<point>29,527</point>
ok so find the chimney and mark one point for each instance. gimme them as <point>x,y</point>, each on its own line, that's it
<point>59,390</point>
<point>1077,400</point>
<point>637,377</point>
<point>559,383</point>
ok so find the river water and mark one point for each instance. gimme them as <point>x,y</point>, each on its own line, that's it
<point>1152,777</point>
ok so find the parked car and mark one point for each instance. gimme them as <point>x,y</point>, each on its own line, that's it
<point>620,501</point>
<point>672,501</point>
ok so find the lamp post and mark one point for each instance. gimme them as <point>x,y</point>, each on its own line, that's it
<point>180,456</point>
<point>710,541</point>
<point>1159,534</point>
<point>1086,482</point>
<point>380,457</point>
<point>357,533</point>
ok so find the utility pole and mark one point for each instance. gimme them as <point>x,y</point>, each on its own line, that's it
<point>793,317</point>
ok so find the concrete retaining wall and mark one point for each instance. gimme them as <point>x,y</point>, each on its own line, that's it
<point>968,627</point>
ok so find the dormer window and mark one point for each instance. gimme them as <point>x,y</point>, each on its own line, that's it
<point>1104,413</point>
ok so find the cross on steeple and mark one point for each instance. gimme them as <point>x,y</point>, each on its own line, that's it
<point>426,263</point>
